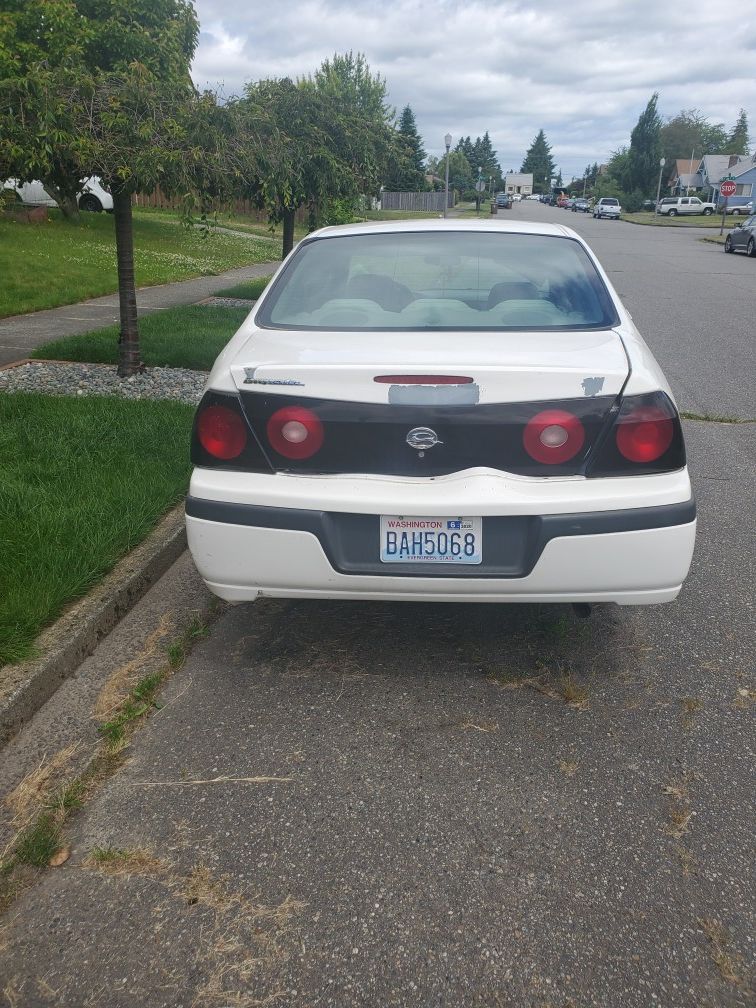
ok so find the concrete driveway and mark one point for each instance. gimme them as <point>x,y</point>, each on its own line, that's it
<point>372,805</point>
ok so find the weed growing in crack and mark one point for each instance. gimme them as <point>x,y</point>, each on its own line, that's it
<point>39,841</point>
<point>726,961</point>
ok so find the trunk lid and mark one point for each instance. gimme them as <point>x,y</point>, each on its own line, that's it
<point>505,367</point>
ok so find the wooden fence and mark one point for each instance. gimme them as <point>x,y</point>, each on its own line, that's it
<point>427,201</point>
<point>240,207</point>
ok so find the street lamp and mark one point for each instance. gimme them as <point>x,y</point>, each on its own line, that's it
<point>662,162</point>
<point>447,144</point>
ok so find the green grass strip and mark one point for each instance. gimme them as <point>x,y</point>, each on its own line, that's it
<point>681,220</point>
<point>57,263</point>
<point>251,289</point>
<point>189,336</point>
<point>82,481</point>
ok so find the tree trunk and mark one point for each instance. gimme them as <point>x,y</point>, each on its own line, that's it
<point>129,362</point>
<point>288,232</point>
<point>67,202</point>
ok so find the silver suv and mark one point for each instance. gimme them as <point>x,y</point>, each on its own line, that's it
<point>608,206</point>
<point>674,205</point>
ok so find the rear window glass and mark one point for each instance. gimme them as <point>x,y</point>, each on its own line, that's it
<point>418,281</point>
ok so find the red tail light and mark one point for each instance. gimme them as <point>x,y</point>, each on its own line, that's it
<point>295,432</point>
<point>221,432</point>
<point>553,437</point>
<point>422,379</point>
<point>645,434</point>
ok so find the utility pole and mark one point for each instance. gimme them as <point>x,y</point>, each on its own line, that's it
<point>447,144</point>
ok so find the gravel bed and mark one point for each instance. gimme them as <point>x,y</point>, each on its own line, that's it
<point>179,384</point>
<point>226,302</point>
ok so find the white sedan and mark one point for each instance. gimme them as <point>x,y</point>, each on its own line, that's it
<point>440,410</point>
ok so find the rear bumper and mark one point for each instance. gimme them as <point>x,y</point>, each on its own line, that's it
<point>629,556</point>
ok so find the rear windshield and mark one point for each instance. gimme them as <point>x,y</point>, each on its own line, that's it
<point>418,281</point>
<point>610,202</point>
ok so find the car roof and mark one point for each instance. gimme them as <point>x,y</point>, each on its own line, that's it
<point>445,224</point>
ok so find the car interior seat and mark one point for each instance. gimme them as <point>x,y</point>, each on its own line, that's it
<point>388,293</point>
<point>512,290</point>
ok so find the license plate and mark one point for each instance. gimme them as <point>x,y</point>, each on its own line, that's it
<point>409,539</point>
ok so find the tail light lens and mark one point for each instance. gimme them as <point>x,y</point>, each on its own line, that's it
<point>644,437</point>
<point>645,434</point>
<point>221,432</point>
<point>295,432</point>
<point>222,438</point>
<point>553,437</point>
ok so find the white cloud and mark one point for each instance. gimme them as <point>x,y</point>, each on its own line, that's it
<point>582,71</point>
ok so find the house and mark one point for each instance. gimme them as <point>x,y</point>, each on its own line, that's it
<point>685,176</point>
<point>717,167</point>
<point>519,182</point>
<point>744,177</point>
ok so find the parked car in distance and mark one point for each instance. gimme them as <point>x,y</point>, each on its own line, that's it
<point>607,206</point>
<point>93,196</point>
<point>516,197</point>
<point>504,201</point>
<point>581,205</point>
<point>671,206</point>
<point>741,208</point>
<point>491,427</point>
<point>742,238</point>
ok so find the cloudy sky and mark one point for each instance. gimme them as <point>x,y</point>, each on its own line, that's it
<point>582,70</point>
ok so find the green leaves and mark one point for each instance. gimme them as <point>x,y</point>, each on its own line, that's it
<point>327,137</point>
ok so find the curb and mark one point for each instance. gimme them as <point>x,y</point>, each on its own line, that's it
<point>74,636</point>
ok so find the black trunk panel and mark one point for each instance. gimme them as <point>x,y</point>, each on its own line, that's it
<point>371,438</point>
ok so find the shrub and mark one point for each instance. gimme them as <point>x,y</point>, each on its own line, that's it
<point>633,202</point>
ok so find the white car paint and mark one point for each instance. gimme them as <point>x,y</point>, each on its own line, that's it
<point>35,194</point>
<point>240,562</point>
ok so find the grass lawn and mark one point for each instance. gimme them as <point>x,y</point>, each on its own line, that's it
<point>251,289</point>
<point>379,215</point>
<point>82,481</point>
<point>694,220</point>
<point>189,336</point>
<point>44,265</point>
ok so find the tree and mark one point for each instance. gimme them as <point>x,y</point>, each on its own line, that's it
<point>539,161</point>
<point>485,157</point>
<point>618,170</point>
<point>408,171</point>
<point>645,150</point>
<point>461,175</point>
<point>738,141</point>
<point>688,135</point>
<point>114,98</point>
<point>348,79</point>
<point>79,38</point>
<point>336,139</point>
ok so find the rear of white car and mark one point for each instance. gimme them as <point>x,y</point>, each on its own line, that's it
<point>448,426</point>
<point>607,207</point>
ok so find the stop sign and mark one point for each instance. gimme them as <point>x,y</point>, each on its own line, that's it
<point>728,189</point>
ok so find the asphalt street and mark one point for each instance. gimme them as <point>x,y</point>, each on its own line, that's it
<point>693,304</point>
<point>356,804</point>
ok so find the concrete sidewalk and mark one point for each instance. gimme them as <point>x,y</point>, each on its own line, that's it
<point>20,334</point>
